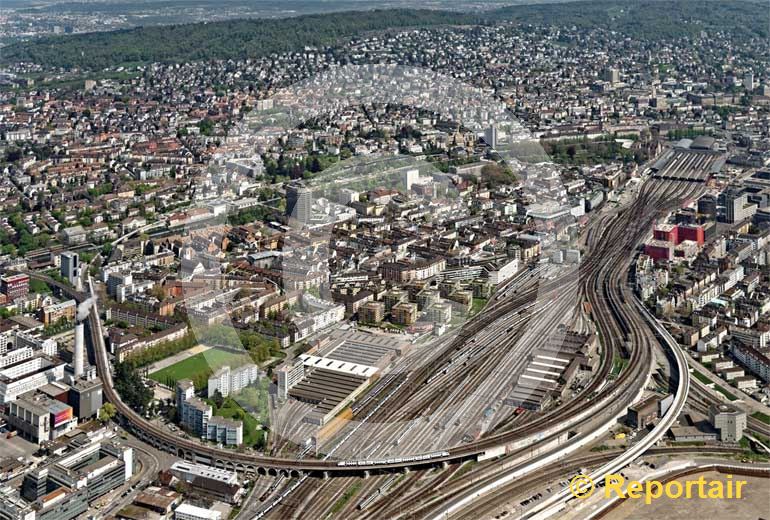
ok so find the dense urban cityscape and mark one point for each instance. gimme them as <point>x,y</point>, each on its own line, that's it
<point>342,260</point>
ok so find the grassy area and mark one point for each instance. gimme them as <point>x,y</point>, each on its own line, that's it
<point>465,468</point>
<point>706,381</point>
<point>478,305</point>
<point>199,367</point>
<point>255,400</point>
<point>751,456</point>
<point>232,410</point>
<point>345,498</point>
<point>728,395</point>
<point>700,377</point>
<point>618,364</point>
<point>762,417</point>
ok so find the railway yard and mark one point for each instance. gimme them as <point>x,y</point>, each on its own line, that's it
<point>410,415</point>
<point>441,262</point>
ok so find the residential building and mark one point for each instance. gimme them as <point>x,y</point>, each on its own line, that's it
<point>225,431</point>
<point>228,381</point>
<point>404,313</point>
<point>371,312</point>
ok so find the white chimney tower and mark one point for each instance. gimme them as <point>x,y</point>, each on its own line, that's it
<point>77,358</point>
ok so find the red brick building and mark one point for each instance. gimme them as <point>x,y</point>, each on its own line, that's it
<point>14,286</point>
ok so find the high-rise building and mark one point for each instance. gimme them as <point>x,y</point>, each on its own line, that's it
<point>184,390</point>
<point>410,178</point>
<point>299,203</point>
<point>70,266</point>
<point>611,75</point>
<point>707,206</point>
<point>196,414</point>
<point>490,136</point>
<point>289,374</point>
<point>748,81</point>
<point>737,208</point>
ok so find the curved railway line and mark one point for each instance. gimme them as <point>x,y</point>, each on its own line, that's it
<point>600,280</point>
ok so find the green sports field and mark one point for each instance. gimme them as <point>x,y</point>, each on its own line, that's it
<point>199,367</point>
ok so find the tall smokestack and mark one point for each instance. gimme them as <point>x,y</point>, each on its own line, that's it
<point>79,354</point>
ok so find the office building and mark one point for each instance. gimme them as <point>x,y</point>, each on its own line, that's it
<point>730,422</point>
<point>14,286</point>
<point>64,487</point>
<point>215,483</point>
<point>29,374</point>
<point>40,418</point>
<point>737,208</point>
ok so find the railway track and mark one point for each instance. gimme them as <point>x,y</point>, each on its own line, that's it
<point>420,505</point>
<point>596,273</point>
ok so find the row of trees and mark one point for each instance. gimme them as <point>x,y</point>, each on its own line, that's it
<point>258,346</point>
<point>162,350</point>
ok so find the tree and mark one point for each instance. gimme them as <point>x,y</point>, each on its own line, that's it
<point>107,412</point>
<point>131,388</point>
<point>218,399</point>
<point>39,287</point>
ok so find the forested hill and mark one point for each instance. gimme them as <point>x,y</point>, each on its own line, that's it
<point>651,19</point>
<point>232,39</point>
